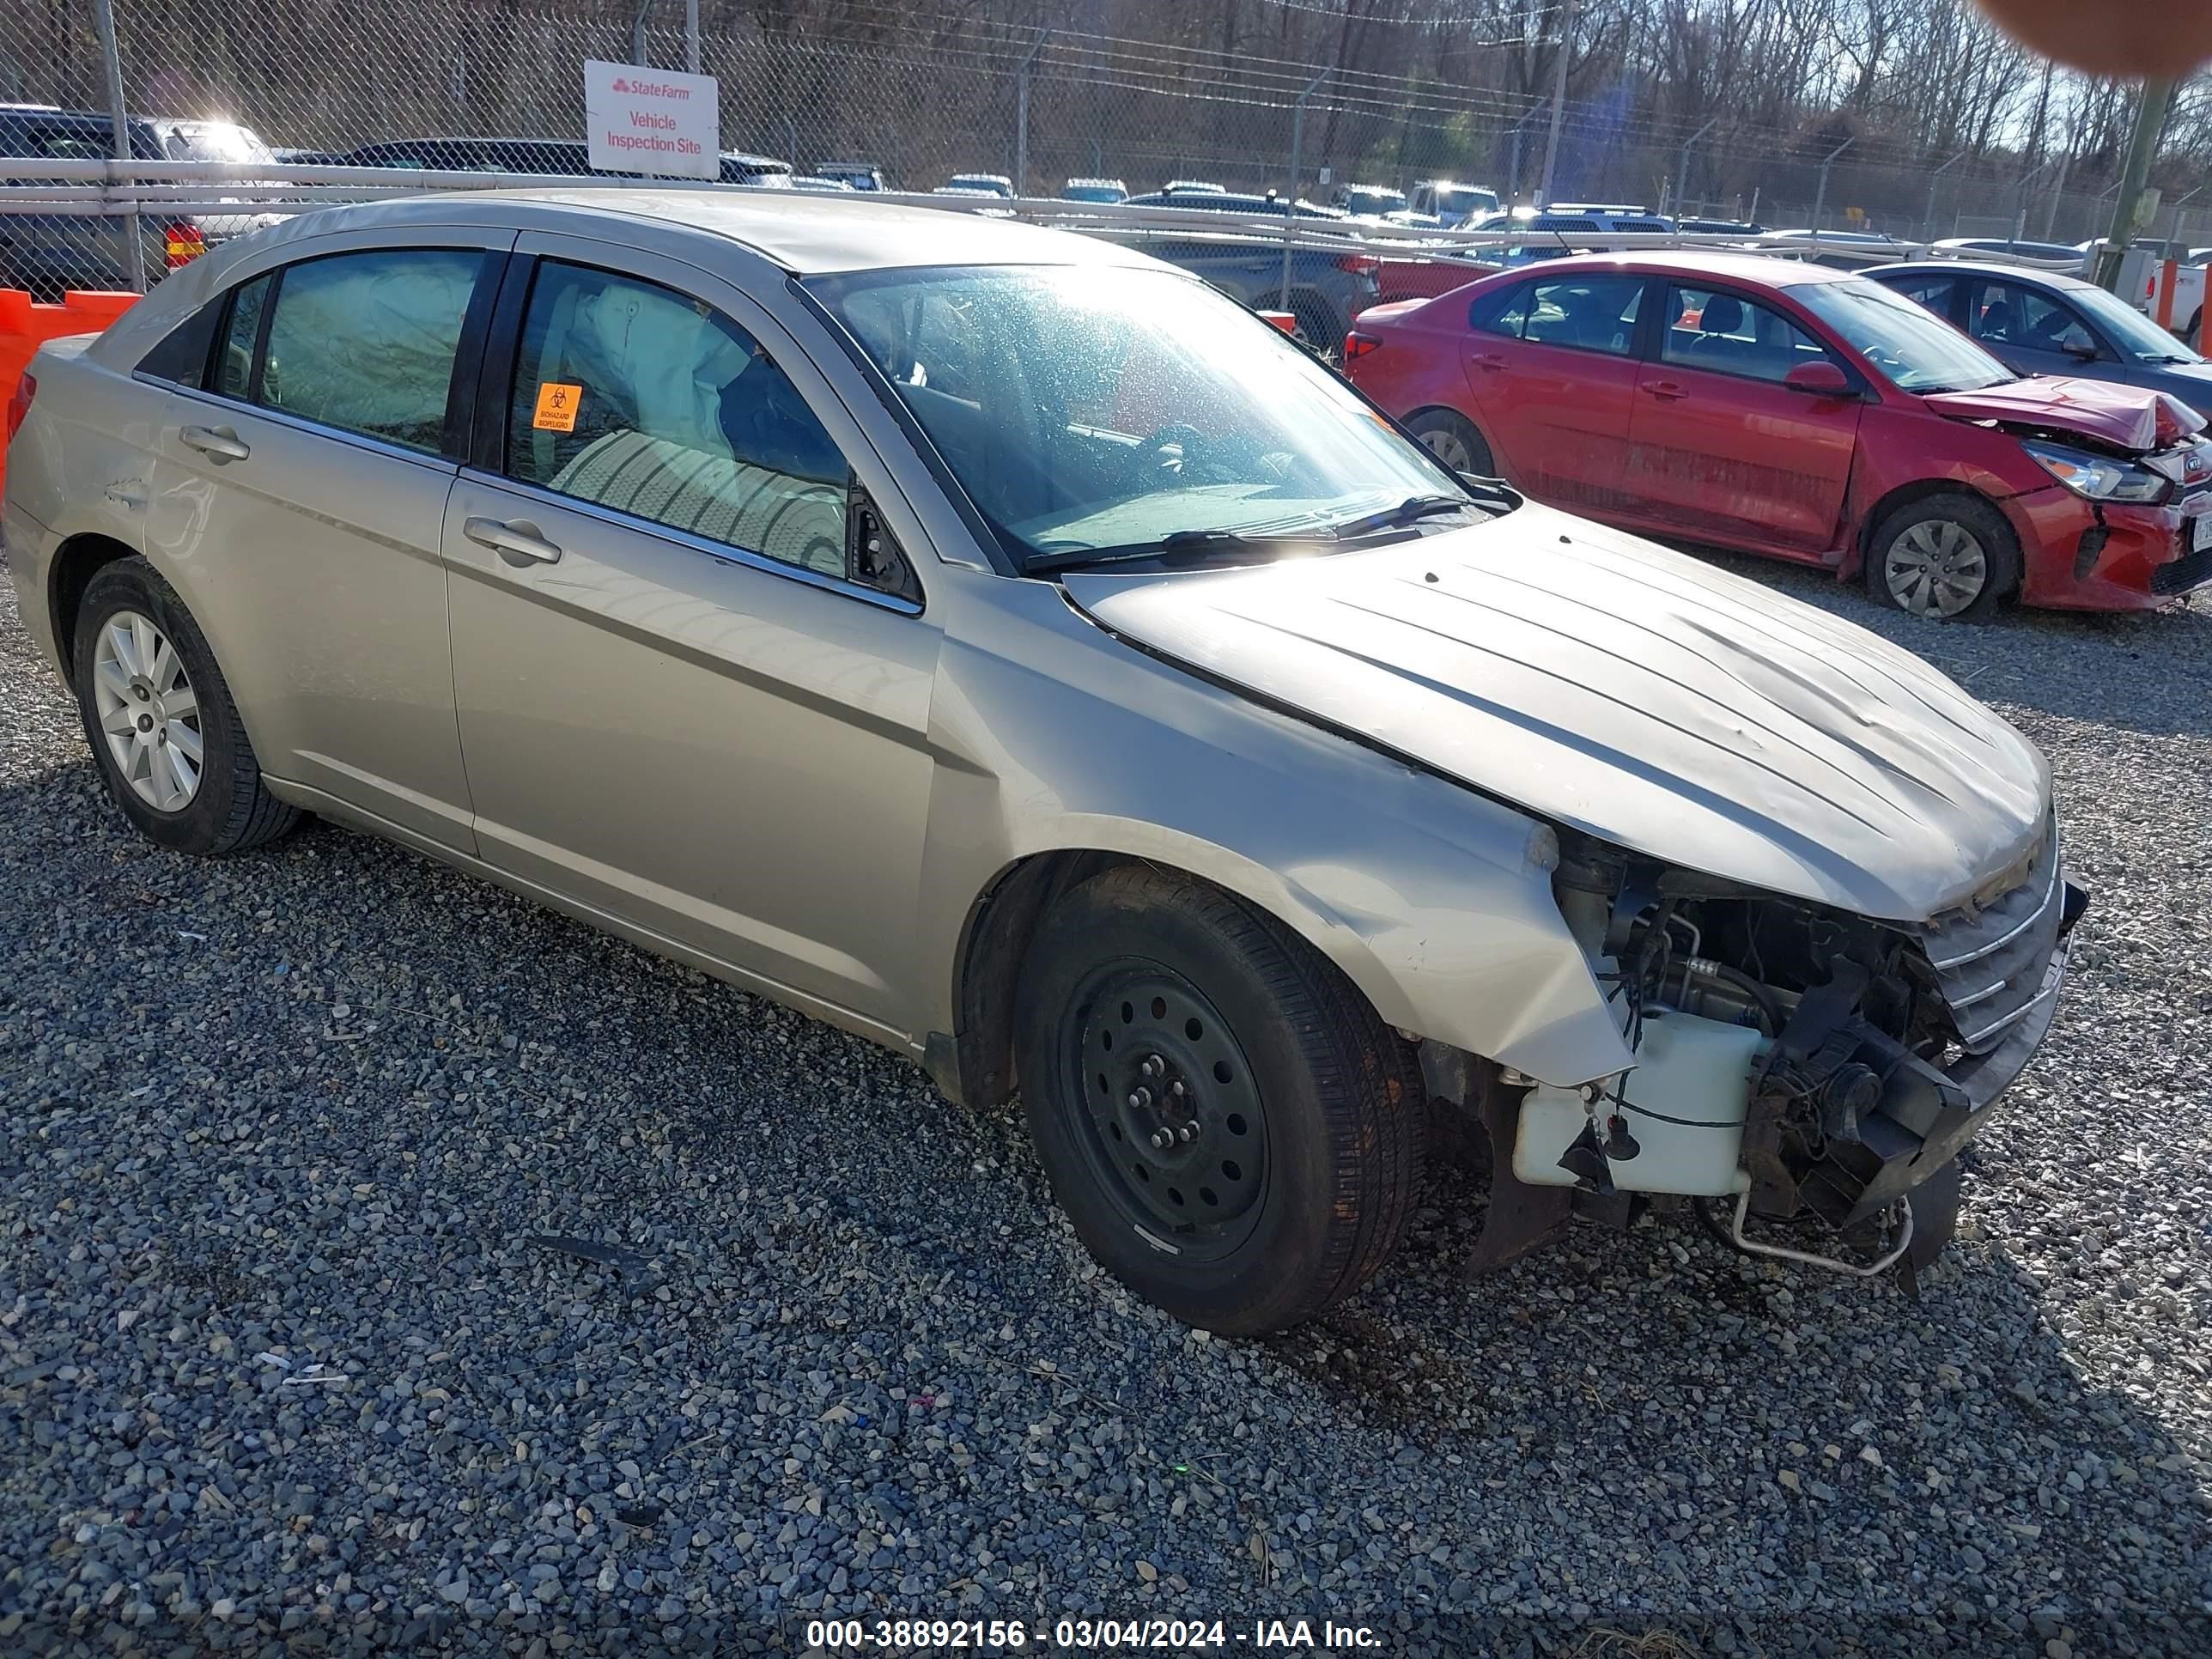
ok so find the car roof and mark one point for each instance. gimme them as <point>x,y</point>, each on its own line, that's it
<point>1980,268</point>
<point>804,233</point>
<point>1757,268</point>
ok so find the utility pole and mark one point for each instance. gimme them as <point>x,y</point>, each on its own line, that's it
<point>1559,99</point>
<point>1820,202</point>
<point>2150,120</point>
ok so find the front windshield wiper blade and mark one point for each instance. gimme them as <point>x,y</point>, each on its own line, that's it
<point>1406,512</point>
<point>1180,543</point>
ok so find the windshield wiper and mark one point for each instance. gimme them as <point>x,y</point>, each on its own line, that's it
<point>1406,512</point>
<point>1180,543</point>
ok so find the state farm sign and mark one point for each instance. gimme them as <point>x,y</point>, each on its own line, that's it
<point>649,120</point>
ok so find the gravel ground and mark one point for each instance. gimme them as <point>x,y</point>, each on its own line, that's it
<point>283,1354</point>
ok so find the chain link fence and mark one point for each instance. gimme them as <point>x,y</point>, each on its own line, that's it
<point>314,81</point>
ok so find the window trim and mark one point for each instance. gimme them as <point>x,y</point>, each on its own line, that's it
<point>1659,359</point>
<point>487,461</point>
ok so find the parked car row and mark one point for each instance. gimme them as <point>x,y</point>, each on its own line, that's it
<point>1783,408</point>
<point>1034,663</point>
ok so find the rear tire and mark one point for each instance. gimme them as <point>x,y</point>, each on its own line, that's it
<point>1453,440</point>
<point>149,693</point>
<point>1151,1003</point>
<point>1950,557</point>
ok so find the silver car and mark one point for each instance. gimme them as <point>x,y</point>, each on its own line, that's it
<point>994,642</point>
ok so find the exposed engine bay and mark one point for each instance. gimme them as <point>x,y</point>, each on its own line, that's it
<point>1795,1062</point>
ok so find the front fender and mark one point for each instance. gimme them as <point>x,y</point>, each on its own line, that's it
<point>1436,902</point>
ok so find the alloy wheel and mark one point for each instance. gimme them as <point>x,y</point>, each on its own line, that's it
<point>1936,568</point>
<point>148,712</point>
<point>1172,1122</point>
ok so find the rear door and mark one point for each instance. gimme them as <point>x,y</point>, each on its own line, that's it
<point>1551,365</point>
<point>300,491</point>
<point>1719,447</point>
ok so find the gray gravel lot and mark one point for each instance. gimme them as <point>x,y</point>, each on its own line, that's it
<point>283,1357</point>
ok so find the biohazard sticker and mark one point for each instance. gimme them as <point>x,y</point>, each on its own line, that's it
<point>556,406</point>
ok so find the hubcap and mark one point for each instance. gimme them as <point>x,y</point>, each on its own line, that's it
<point>1171,1111</point>
<point>1936,569</point>
<point>1448,447</point>
<point>147,712</point>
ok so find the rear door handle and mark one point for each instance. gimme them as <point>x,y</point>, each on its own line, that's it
<point>217,443</point>
<point>1666,389</point>
<point>516,540</point>
<point>1490,360</point>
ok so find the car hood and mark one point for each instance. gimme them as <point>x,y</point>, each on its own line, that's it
<point>1602,683</point>
<point>2109,411</point>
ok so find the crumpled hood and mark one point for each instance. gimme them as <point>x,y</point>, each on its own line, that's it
<point>2128,417</point>
<point>1604,683</point>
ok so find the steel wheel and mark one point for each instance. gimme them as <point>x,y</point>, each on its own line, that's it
<point>1175,1138</point>
<point>1935,568</point>
<point>148,712</point>
<point>1448,446</point>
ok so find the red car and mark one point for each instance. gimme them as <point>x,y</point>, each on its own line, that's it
<point>1790,410</point>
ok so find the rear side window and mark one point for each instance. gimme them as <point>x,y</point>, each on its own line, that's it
<point>1591,313</point>
<point>366,343</point>
<point>241,337</point>
<point>181,356</point>
<point>1500,314</point>
<point>1934,292</point>
<point>637,398</point>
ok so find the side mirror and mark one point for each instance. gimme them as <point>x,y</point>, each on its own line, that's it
<point>1821,380</point>
<point>2079,348</point>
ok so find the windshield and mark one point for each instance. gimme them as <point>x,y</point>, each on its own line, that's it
<point>216,142</point>
<point>1087,408</point>
<point>1372,201</point>
<point>2134,334</point>
<point>1466,201</point>
<point>1912,348</point>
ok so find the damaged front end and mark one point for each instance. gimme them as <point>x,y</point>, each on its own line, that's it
<point>1794,1065</point>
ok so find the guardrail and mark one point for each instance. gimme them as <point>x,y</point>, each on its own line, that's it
<point>118,189</point>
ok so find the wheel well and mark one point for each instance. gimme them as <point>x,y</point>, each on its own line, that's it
<point>76,562</point>
<point>1904,496</point>
<point>993,947</point>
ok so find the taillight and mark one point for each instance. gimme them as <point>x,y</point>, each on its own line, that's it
<point>1359,264</point>
<point>1358,345</point>
<point>18,404</point>
<point>184,242</point>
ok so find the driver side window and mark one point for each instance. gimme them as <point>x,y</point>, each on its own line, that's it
<point>2007,314</point>
<point>639,398</point>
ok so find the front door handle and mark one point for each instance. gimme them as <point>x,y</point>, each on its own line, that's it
<point>217,443</point>
<point>1667,390</point>
<point>516,540</point>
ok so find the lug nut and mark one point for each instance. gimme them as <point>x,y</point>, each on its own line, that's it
<point>1176,1088</point>
<point>1162,1139</point>
<point>1190,1130</point>
<point>1151,1066</point>
<point>1141,1099</point>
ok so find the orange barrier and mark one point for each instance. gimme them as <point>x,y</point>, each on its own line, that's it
<point>24,325</point>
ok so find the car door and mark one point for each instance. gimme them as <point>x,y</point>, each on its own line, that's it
<point>2035,332</point>
<point>298,495</point>
<point>1552,367</point>
<point>684,705</point>
<point>1719,447</point>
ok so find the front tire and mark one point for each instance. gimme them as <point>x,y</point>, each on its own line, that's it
<point>1453,440</point>
<point>158,714</point>
<point>1949,558</point>
<point>1234,1133</point>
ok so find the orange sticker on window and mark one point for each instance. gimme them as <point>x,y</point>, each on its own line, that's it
<point>556,406</point>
